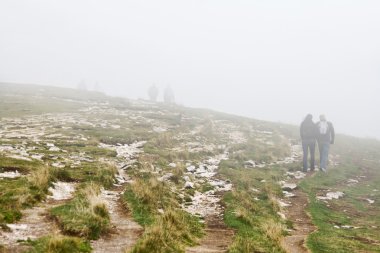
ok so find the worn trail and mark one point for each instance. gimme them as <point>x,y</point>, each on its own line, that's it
<point>296,212</point>
<point>34,223</point>
<point>303,226</point>
<point>124,231</point>
<point>217,239</point>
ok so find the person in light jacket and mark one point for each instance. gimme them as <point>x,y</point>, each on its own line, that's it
<point>325,137</point>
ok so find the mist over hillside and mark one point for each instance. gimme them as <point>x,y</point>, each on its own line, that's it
<point>271,60</point>
<point>81,171</point>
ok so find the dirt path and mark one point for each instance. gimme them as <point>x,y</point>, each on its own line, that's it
<point>217,239</point>
<point>34,223</point>
<point>296,212</point>
<point>124,231</point>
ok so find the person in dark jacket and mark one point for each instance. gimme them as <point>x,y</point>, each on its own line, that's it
<point>308,135</point>
<point>325,137</point>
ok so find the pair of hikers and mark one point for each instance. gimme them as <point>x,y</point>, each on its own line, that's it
<point>321,132</point>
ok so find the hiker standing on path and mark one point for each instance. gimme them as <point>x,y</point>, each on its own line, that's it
<point>325,137</point>
<point>308,133</point>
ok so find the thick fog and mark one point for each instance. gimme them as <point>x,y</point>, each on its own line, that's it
<point>274,60</point>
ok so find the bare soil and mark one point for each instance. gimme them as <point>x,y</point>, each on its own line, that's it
<point>124,232</point>
<point>35,223</point>
<point>295,242</point>
<point>217,239</point>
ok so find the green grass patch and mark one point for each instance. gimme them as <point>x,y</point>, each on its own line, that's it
<point>253,213</point>
<point>19,193</point>
<point>59,244</point>
<point>352,210</point>
<point>170,233</point>
<point>86,215</point>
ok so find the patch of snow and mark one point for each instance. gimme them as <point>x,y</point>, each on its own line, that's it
<point>296,175</point>
<point>158,129</point>
<point>249,164</point>
<point>62,190</point>
<point>282,203</point>
<point>172,165</point>
<point>331,195</point>
<point>17,226</point>
<point>283,216</point>
<point>54,149</point>
<point>19,157</point>
<point>255,190</point>
<point>189,185</point>
<point>10,174</point>
<point>37,157</point>
<point>288,186</point>
<point>191,168</point>
<point>125,151</point>
<point>288,194</point>
<point>165,177</point>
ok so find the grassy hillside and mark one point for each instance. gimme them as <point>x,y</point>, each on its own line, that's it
<point>180,174</point>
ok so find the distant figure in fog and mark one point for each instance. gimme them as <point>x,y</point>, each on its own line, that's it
<point>325,137</point>
<point>169,95</point>
<point>308,133</point>
<point>153,93</point>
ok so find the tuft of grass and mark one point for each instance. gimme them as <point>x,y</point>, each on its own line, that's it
<point>274,230</point>
<point>245,244</point>
<point>39,181</point>
<point>253,214</point>
<point>59,244</point>
<point>171,232</point>
<point>144,197</point>
<point>19,193</point>
<point>86,215</point>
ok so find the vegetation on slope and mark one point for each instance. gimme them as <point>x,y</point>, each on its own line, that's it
<point>86,215</point>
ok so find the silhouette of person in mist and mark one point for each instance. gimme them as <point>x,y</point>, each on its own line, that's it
<point>308,132</point>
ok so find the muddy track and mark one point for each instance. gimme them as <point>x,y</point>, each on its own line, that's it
<point>217,239</point>
<point>295,242</point>
<point>124,232</point>
<point>35,223</point>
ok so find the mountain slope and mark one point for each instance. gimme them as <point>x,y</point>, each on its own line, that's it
<point>135,176</point>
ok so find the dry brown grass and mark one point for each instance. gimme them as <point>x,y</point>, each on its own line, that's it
<point>274,230</point>
<point>40,178</point>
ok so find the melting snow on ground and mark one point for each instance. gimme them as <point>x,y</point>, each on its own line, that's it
<point>10,174</point>
<point>62,190</point>
<point>331,196</point>
<point>207,203</point>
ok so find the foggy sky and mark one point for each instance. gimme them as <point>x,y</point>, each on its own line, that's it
<point>274,60</point>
